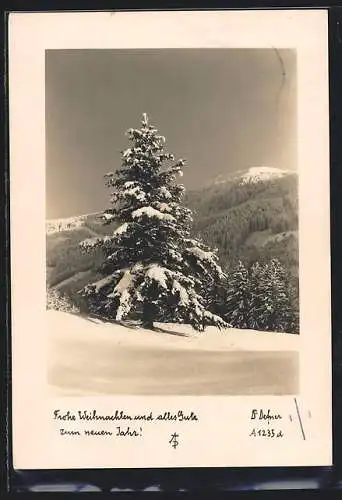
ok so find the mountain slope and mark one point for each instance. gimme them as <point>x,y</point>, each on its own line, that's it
<point>249,215</point>
<point>97,358</point>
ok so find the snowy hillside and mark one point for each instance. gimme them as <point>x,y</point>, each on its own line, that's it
<point>90,357</point>
<point>253,175</point>
<point>258,174</point>
<point>67,224</point>
<point>72,223</point>
<point>243,220</point>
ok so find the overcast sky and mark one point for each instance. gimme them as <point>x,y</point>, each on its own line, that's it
<point>221,109</point>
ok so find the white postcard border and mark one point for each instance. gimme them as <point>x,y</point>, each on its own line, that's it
<point>221,437</point>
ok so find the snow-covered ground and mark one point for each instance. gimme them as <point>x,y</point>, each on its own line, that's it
<point>90,357</point>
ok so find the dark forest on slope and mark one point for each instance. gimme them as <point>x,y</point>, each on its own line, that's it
<point>250,222</point>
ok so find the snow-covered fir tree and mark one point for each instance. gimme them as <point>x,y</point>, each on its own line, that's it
<point>261,297</point>
<point>238,299</point>
<point>152,267</point>
<point>273,303</point>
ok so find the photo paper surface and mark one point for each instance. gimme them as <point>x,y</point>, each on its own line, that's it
<point>170,249</point>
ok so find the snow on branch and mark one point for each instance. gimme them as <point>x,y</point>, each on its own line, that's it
<point>164,207</point>
<point>174,254</point>
<point>165,192</point>
<point>98,285</point>
<point>201,254</point>
<point>123,290</point>
<point>90,243</point>
<point>213,318</point>
<point>122,229</point>
<point>205,258</point>
<point>123,285</point>
<point>135,192</point>
<point>162,274</point>
<point>158,274</point>
<point>127,152</point>
<point>108,217</point>
<point>151,212</point>
<point>183,294</point>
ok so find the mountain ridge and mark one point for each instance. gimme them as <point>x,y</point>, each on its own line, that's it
<point>252,174</point>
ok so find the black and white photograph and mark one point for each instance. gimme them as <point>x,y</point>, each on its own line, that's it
<point>172,222</point>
